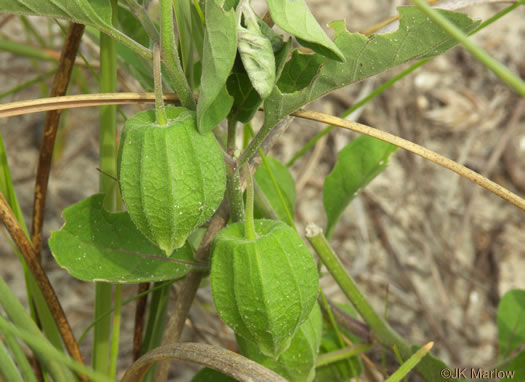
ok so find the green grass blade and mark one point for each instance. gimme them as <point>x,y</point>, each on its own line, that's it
<point>512,80</point>
<point>43,347</point>
<point>26,370</point>
<point>16,313</point>
<point>7,366</point>
<point>410,363</point>
<point>107,163</point>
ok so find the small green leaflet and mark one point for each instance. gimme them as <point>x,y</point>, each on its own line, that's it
<point>357,165</point>
<point>511,321</point>
<point>294,17</point>
<point>96,13</point>
<point>246,99</point>
<point>256,51</point>
<point>218,56</point>
<point>96,245</point>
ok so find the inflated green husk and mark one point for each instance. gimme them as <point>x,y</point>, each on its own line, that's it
<point>264,289</point>
<point>297,363</point>
<point>171,177</point>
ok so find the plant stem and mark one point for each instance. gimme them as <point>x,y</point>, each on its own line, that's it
<point>232,133</point>
<point>171,55</point>
<point>234,190</point>
<point>379,328</point>
<point>512,80</point>
<point>107,163</point>
<point>162,118</point>
<point>115,339</point>
<point>249,222</point>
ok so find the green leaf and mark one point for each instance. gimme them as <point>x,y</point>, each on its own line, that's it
<point>294,17</point>
<point>299,72</point>
<point>256,51</point>
<point>218,56</point>
<point>416,38</point>
<point>96,245</point>
<point>357,165</point>
<point>96,13</point>
<point>209,375</point>
<point>297,362</point>
<point>511,321</point>
<point>136,65</point>
<point>246,99</point>
<point>285,183</point>
<point>514,368</point>
<point>183,18</point>
<point>264,289</point>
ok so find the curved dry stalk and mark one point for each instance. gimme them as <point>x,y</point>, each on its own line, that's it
<point>60,85</point>
<point>225,361</point>
<point>12,109</point>
<point>67,102</point>
<point>26,249</point>
<point>418,150</point>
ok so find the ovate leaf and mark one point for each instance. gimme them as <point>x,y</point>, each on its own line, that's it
<point>357,165</point>
<point>96,13</point>
<point>417,37</point>
<point>219,50</point>
<point>246,99</point>
<point>294,17</point>
<point>96,245</point>
<point>513,369</point>
<point>285,183</point>
<point>256,52</point>
<point>511,321</point>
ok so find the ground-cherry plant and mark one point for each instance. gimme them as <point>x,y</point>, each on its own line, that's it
<point>183,200</point>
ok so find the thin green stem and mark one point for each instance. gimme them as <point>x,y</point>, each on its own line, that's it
<point>410,363</point>
<point>234,190</point>
<point>277,190</point>
<point>8,366</point>
<point>26,370</point>
<point>26,84</point>
<point>512,80</point>
<point>156,323</point>
<point>170,54</point>
<point>115,339</point>
<point>333,324</point>
<point>340,355</point>
<point>232,135</point>
<point>162,118</point>
<point>249,221</point>
<point>107,164</point>
<point>379,328</point>
<point>125,302</point>
<point>17,313</point>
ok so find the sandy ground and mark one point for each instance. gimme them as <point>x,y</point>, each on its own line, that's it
<point>441,249</point>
